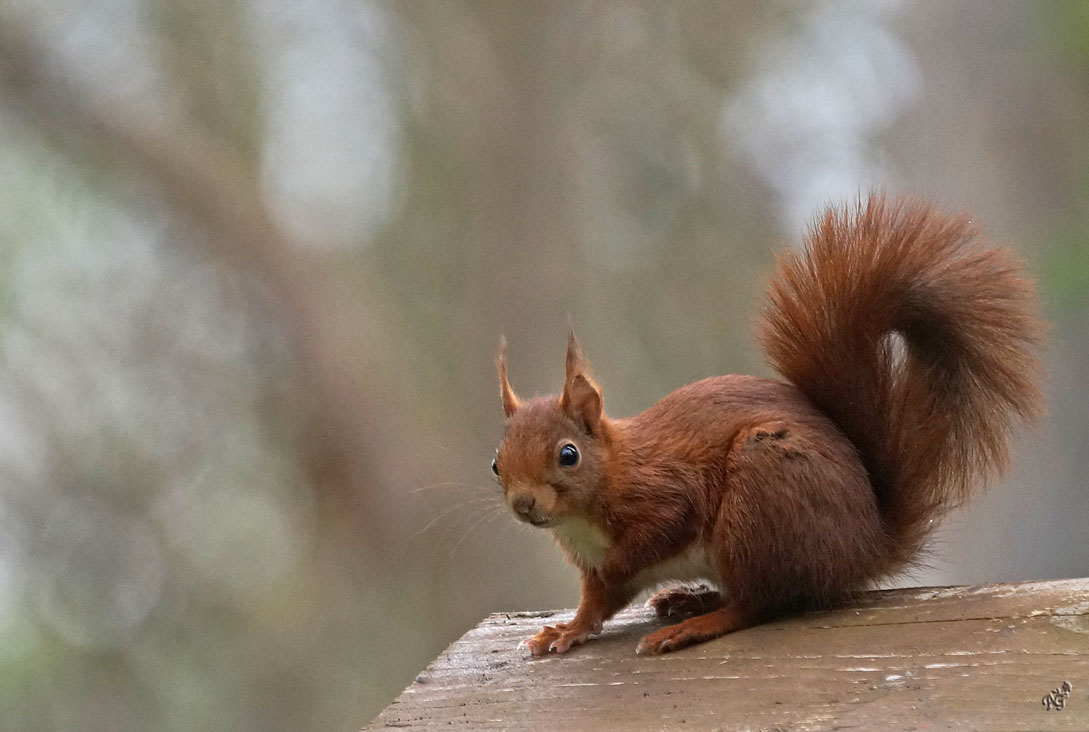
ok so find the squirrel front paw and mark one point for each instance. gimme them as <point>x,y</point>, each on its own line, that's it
<point>558,638</point>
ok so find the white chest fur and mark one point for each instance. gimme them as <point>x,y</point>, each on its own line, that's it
<point>690,565</point>
<point>587,544</point>
<point>584,541</point>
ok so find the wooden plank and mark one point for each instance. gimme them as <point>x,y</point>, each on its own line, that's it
<point>972,658</point>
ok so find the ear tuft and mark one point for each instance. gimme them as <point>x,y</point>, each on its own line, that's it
<point>581,399</point>
<point>511,402</point>
<point>576,362</point>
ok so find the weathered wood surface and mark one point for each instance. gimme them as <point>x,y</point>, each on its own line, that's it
<point>972,658</point>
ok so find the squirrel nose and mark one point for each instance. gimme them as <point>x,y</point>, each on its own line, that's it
<point>523,504</point>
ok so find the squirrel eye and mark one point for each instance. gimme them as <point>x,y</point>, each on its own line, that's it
<point>569,456</point>
<point>495,467</point>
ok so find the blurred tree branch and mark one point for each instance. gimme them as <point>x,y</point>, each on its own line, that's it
<point>210,183</point>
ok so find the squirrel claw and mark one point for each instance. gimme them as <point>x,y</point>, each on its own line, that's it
<point>662,641</point>
<point>556,639</point>
<point>650,649</point>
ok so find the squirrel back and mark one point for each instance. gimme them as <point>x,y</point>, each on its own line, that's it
<point>916,341</point>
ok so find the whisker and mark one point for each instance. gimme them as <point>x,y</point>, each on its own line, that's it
<point>453,528</point>
<point>448,484</point>
<point>487,514</point>
<point>444,448</point>
<point>452,509</point>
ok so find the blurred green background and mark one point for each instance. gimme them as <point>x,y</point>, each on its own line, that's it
<point>255,259</point>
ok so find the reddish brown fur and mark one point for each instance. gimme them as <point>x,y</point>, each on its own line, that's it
<point>792,495</point>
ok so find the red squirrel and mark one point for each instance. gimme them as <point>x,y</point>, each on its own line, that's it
<point>906,343</point>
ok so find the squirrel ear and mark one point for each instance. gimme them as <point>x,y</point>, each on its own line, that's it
<point>576,362</point>
<point>511,402</point>
<point>581,399</point>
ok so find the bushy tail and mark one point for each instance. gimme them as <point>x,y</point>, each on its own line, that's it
<point>916,338</point>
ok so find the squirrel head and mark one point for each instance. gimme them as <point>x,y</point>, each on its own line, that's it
<point>551,462</point>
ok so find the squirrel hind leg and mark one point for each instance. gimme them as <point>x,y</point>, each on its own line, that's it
<point>726,619</point>
<point>684,600</point>
<point>799,526</point>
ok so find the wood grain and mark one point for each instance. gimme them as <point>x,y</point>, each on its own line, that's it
<point>972,658</point>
